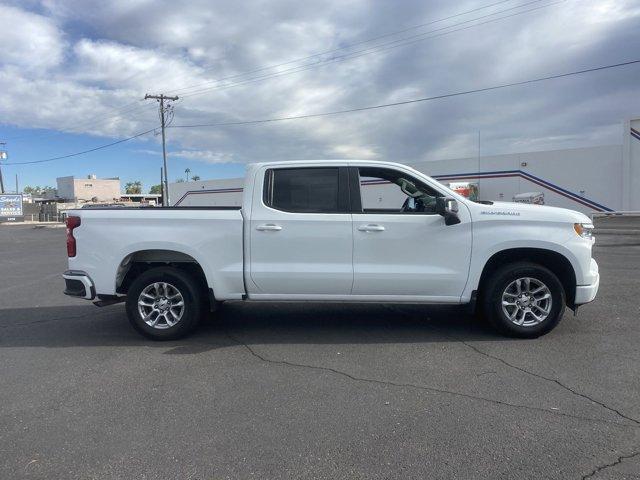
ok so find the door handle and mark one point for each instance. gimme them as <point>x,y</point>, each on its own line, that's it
<point>269,227</point>
<point>371,227</point>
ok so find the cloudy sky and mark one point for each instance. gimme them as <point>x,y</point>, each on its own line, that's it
<point>73,74</point>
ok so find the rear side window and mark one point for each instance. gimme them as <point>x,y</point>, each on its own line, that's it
<point>303,190</point>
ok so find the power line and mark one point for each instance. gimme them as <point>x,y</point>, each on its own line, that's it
<point>344,47</point>
<point>107,145</point>
<point>118,112</point>
<point>416,100</point>
<point>337,112</point>
<point>381,48</point>
<point>135,105</point>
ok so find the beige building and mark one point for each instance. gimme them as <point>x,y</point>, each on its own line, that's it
<point>85,189</point>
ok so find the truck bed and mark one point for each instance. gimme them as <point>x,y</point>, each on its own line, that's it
<point>107,239</point>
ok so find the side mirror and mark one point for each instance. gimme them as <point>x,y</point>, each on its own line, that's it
<point>448,208</point>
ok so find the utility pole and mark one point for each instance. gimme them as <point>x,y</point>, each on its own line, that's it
<point>162,186</point>
<point>166,115</point>
<point>3,156</point>
<point>17,190</point>
<point>478,150</point>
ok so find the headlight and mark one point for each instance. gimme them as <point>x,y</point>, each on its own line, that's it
<point>585,230</point>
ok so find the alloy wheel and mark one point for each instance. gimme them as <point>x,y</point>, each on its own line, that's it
<point>161,305</point>
<point>526,302</point>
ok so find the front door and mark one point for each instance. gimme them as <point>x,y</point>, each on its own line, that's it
<point>402,247</point>
<point>301,241</point>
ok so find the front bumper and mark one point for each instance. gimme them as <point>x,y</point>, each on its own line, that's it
<point>79,284</point>
<point>586,293</point>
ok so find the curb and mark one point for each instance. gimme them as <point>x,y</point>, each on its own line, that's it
<point>49,225</point>
<point>29,222</point>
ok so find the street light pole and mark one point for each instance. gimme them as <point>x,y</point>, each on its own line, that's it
<point>3,156</point>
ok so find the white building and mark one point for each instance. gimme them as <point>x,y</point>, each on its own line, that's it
<point>85,189</point>
<point>591,179</point>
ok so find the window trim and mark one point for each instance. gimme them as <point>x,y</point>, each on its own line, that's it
<point>355,188</point>
<point>343,190</point>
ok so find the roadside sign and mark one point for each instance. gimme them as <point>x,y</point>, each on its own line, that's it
<point>11,208</point>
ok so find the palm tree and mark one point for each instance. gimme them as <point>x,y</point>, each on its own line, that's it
<point>134,187</point>
<point>195,178</point>
<point>187,171</point>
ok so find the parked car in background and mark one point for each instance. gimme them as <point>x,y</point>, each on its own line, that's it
<point>535,198</point>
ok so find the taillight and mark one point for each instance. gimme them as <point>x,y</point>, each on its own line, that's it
<point>72,222</point>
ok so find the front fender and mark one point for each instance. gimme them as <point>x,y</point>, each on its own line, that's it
<point>480,257</point>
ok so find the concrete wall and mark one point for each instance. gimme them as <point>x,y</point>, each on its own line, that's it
<point>631,165</point>
<point>584,179</point>
<point>224,192</point>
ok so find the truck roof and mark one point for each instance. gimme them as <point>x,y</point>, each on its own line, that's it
<point>252,167</point>
<point>331,160</point>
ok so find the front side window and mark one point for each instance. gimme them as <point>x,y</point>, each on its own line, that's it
<point>303,190</point>
<point>384,190</point>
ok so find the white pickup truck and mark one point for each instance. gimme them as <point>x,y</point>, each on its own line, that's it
<point>335,231</point>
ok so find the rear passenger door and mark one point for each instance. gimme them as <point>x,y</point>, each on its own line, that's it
<point>300,233</point>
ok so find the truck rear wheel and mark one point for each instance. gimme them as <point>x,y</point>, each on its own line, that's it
<point>164,303</point>
<point>524,300</point>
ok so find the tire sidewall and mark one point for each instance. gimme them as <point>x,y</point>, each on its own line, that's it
<point>502,278</point>
<point>189,291</point>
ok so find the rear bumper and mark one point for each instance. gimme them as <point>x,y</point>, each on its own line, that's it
<point>79,284</point>
<point>586,293</point>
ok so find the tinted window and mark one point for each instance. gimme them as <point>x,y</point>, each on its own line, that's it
<point>303,190</point>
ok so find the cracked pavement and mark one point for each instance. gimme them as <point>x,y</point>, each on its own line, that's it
<point>310,390</point>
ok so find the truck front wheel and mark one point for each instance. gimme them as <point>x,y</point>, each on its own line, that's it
<point>164,303</point>
<point>524,300</point>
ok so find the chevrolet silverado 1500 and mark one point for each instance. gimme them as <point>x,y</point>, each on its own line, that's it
<point>309,231</point>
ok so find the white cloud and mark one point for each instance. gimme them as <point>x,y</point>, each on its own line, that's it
<point>123,66</point>
<point>206,156</point>
<point>91,57</point>
<point>354,152</point>
<point>147,151</point>
<point>30,41</point>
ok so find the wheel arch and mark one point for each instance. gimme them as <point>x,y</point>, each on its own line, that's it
<point>137,262</point>
<point>555,261</point>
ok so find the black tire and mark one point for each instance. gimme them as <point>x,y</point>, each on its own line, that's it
<point>496,285</point>
<point>192,299</point>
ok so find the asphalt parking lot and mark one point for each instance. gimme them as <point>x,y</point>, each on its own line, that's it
<point>313,391</point>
